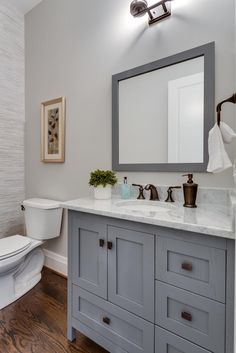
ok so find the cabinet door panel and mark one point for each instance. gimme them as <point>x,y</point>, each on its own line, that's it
<point>131,271</point>
<point>90,256</point>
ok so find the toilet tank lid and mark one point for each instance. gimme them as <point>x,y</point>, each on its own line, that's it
<point>44,204</point>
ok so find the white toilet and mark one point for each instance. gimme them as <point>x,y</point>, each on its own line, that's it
<point>21,257</point>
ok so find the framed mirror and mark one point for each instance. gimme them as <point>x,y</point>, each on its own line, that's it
<point>162,113</point>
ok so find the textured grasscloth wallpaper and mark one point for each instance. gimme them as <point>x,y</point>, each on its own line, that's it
<point>12,117</point>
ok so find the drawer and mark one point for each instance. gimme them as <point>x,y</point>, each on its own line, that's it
<point>124,329</point>
<point>199,269</point>
<point>198,319</point>
<point>166,342</point>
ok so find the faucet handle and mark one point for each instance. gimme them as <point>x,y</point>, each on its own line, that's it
<point>169,193</point>
<point>141,188</point>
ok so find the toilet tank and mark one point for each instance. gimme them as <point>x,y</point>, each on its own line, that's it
<point>42,218</point>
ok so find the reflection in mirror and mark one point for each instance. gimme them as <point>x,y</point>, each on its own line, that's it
<point>162,113</point>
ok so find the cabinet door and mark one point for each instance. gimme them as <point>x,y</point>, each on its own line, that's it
<point>131,271</point>
<point>89,253</point>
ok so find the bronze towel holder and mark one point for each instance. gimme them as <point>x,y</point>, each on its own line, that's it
<point>231,99</point>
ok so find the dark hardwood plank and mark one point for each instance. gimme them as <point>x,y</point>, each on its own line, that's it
<point>36,323</point>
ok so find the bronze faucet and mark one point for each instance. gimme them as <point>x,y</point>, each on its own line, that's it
<point>169,193</point>
<point>153,192</point>
<point>140,196</point>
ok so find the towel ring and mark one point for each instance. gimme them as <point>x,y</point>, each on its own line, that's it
<point>231,99</point>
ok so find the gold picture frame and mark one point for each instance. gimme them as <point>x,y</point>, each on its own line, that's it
<point>53,131</point>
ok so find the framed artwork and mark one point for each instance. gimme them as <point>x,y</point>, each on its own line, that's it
<point>53,131</point>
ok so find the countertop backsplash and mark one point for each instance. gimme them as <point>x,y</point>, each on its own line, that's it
<point>205,195</point>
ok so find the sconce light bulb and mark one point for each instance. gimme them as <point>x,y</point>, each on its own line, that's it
<point>138,7</point>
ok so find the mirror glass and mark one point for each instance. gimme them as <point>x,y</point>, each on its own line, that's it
<point>162,114</point>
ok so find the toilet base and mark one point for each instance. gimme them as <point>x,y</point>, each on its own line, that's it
<point>21,279</point>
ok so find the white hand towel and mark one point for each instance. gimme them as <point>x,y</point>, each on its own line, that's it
<point>227,133</point>
<point>218,158</point>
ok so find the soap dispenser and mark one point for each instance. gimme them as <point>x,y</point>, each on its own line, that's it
<point>190,192</point>
<point>125,190</point>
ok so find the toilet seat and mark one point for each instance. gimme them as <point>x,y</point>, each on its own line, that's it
<point>13,245</point>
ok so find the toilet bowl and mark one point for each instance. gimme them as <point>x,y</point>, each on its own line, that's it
<point>22,257</point>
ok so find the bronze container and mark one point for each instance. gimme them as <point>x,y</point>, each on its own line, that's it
<point>190,195</point>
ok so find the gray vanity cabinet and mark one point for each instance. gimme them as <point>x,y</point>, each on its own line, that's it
<point>140,288</point>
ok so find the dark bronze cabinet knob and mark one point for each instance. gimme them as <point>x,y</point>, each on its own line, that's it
<point>187,266</point>
<point>186,316</point>
<point>109,245</point>
<point>101,243</point>
<point>106,320</point>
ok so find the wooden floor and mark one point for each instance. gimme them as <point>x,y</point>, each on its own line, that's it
<point>36,323</point>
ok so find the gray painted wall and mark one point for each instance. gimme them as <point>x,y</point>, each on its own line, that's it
<point>12,116</point>
<point>72,49</point>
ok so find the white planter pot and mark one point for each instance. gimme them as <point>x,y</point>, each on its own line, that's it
<point>102,193</point>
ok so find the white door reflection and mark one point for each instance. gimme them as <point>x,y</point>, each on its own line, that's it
<point>186,119</point>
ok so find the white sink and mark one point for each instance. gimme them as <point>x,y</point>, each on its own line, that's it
<point>145,206</point>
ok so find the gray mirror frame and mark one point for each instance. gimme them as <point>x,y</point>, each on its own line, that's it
<point>206,50</point>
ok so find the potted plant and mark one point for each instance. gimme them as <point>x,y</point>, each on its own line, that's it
<point>102,181</point>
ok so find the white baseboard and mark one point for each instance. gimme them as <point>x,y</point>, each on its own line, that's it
<point>56,262</point>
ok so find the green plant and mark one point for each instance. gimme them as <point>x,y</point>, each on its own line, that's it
<point>102,177</point>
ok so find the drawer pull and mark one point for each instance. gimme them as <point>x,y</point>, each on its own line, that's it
<point>106,320</point>
<point>101,243</point>
<point>109,245</point>
<point>186,316</point>
<point>187,266</point>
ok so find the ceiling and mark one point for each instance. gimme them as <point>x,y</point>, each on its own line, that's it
<point>24,6</point>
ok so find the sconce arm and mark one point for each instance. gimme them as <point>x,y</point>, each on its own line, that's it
<point>231,99</point>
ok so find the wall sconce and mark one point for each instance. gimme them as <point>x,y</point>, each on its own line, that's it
<point>156,12</point>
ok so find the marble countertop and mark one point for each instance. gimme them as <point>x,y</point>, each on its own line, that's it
<point>207,218</point>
